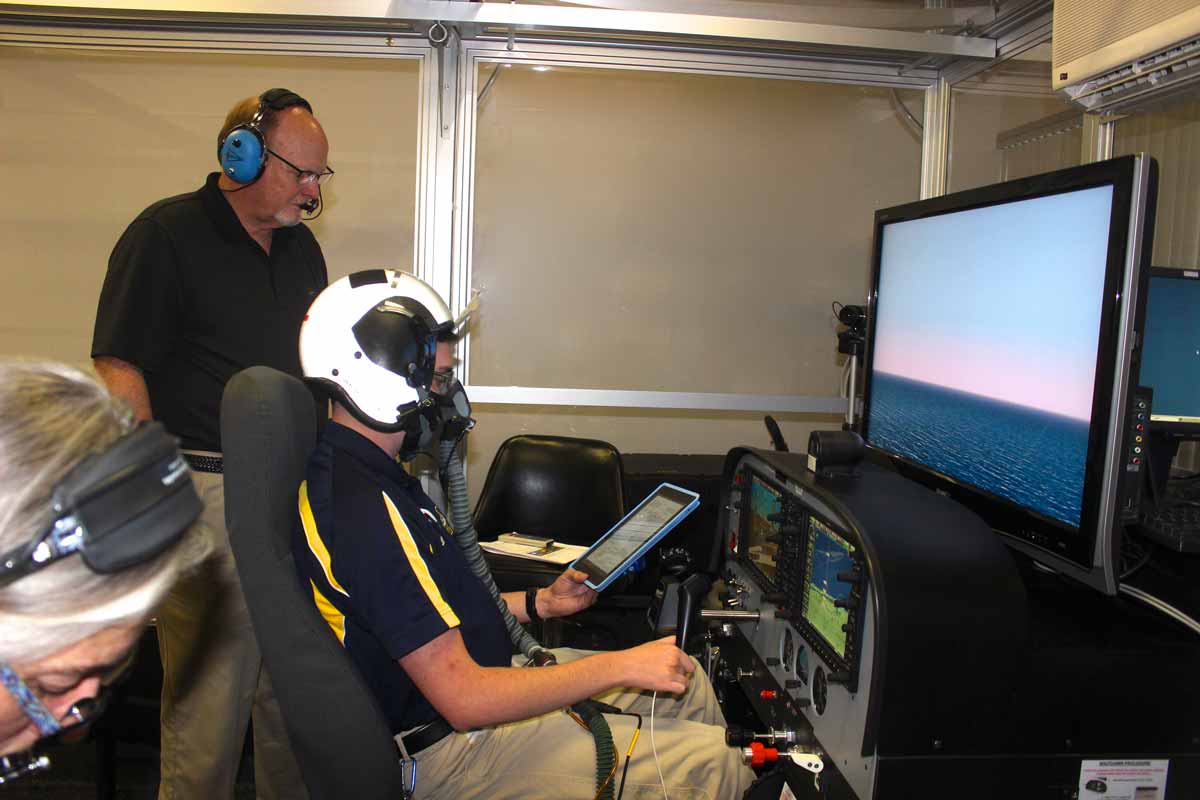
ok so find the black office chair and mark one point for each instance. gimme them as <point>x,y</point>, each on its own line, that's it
<point>570,490</point>
<point>559,487</point>
<point>338,733</point>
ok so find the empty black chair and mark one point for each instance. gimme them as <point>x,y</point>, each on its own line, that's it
<point>337,731</point>
<point>562,488</point>
<point>570,490</point>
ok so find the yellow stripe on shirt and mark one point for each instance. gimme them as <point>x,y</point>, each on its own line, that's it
<point>315,544</point>
<point>419,568</point>
<point>335,618</point>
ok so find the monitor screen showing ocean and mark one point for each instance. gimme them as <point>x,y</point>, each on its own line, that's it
<point>1031,457</point>
<point>984,344</point>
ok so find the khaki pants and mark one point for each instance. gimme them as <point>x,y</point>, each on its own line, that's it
<point>552,758</point>
<point>212,677</point>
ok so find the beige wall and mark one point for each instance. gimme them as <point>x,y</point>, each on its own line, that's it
<point>1052,151</point>
<point>1171,133</point>
<point>976,119</point>
<point>655,231</point>
<point>90,138</point>
<point>688,233</point>
<point>1007,96</point>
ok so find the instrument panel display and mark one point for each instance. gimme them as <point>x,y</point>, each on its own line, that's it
<point>810,566</point>
<point>761,545</point>
<point>826,555</point>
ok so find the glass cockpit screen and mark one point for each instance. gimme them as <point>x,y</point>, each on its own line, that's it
<point>760,531</point>
<point>826,555</point>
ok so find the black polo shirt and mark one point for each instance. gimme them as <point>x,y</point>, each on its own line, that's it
<point>191,299</point>
<point>382,566</point>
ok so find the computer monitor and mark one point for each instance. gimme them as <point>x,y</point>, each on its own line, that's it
<point>1000,350</point>
<point>1171,363</point>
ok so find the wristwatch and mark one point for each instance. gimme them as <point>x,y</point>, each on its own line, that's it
<point>531,605</point>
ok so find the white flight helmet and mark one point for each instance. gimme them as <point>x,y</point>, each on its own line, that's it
<point>371,338</point>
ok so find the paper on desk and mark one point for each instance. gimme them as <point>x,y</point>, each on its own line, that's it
<point>555,554</point>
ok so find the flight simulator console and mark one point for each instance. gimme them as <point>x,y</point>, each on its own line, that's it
<point>886,629</point>
<point>939,604</point>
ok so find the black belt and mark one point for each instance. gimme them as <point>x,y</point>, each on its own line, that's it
<point>214,464</point>
<point>426,736</point>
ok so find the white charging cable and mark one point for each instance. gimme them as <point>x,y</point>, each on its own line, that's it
<point>654,749</point>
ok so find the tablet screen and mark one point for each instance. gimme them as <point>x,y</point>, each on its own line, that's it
<point>629,535</point>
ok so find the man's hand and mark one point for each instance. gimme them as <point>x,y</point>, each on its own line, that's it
<point>657,666</point>
<point>565,596</point>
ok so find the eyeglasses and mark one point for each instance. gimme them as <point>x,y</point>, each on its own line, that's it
<point>80,714</point>
<point>15,766</point>
<point>442,380</point>
<point>304,176</point>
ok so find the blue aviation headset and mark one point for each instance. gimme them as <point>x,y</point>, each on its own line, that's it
<point>243,151</point>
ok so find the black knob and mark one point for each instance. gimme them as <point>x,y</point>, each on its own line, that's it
<point>852,575</point>
<point>675,561</point>
<point>778,516</point>
<point>846,602</point>
<point>737,736</point>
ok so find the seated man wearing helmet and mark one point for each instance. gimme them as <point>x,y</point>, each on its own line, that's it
<point>430,639</point>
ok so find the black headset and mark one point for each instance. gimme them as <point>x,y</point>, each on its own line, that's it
<point>117,508</point>
<point>243,151</point>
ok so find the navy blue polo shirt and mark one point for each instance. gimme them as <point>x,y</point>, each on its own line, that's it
<point>383,568</point>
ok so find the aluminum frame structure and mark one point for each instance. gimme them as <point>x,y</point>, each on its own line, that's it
<point>479,33</point>
<point>479,52</point>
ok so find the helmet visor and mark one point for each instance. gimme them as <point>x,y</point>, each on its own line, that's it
<point>399,335</point>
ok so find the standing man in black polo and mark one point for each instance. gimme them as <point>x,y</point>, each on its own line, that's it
<point>200,286</point>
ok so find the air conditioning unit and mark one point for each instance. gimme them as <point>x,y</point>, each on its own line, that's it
<point>1111,55</point>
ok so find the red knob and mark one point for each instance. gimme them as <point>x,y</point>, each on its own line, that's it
<point>760,755</point>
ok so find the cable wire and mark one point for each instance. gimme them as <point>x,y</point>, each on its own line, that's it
<point>920,126</point>
<point>1136,593</point>
<point>487,86</point>
<point>654,748</point>
<point>637,732</point>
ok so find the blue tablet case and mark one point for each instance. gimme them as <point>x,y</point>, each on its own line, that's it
<point>653,540</point>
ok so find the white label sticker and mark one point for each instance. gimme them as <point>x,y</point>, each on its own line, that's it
<point>1144,779</point>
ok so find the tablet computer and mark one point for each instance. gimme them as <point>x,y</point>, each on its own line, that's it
<point>637,532</point>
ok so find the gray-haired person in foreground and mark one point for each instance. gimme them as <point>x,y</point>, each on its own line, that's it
<point>96,525</point>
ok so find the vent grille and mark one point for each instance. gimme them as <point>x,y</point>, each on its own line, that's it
<point>1155,75</point>
<point>1084,26</point>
